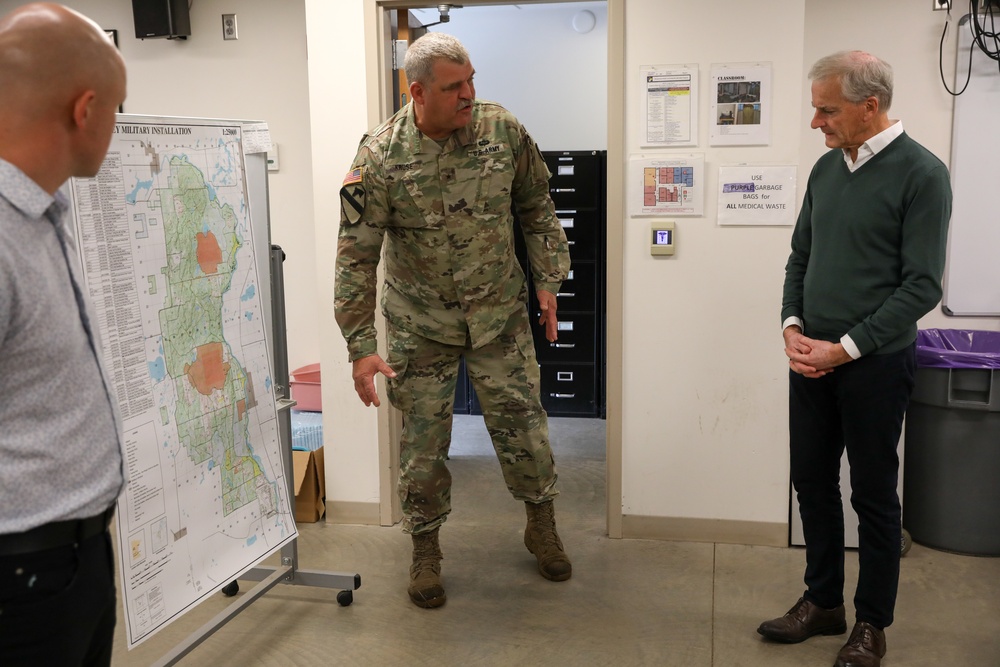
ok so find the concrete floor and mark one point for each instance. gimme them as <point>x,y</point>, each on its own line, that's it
<point>630,602</point>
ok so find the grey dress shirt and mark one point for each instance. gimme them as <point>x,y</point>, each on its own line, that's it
<point>61,453</point>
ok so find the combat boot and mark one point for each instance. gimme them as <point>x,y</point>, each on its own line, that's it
<point>542,540</point>
<point>425,573</point>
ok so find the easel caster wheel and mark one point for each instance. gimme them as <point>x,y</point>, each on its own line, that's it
<point>906,544</point>
<point>232,589</point>
<point>345,598</point>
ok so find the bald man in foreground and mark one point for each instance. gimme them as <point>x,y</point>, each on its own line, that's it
<point>61,460</point>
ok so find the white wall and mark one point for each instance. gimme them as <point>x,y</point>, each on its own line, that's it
<point>260,76</point>
<point>531,60</point>
<point>704,416</point>
<point>337,82</point>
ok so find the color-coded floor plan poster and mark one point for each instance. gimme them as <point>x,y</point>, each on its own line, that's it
<point>166,244</point>
<point>669,185</point>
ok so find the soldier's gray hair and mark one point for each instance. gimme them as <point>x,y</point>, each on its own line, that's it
<point>861,75</point>
<point>420,56</point>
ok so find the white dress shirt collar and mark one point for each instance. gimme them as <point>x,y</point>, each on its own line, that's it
<point>870,148</point>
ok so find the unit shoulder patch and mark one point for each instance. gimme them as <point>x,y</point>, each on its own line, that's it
<point>352,201</point>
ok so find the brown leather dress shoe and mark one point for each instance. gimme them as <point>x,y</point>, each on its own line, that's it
<point>803,621</point>
<point>865,648</point>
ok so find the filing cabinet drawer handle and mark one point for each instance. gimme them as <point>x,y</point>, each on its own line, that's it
<point>566,345</point>
<point>564,189</point>
<point>563,395</point>
<point>569,294</point>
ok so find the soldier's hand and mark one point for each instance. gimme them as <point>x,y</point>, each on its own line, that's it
<point>364,371</point>
<point>547,304</point>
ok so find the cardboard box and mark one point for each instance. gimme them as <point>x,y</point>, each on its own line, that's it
<point>310,485</point>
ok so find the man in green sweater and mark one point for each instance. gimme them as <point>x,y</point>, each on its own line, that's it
<point>867,257</point>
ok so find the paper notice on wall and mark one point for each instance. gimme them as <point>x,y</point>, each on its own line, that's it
<point>256,138</point>
<point>670,106</point>
<point>741,105</point>
<point>756,195</point>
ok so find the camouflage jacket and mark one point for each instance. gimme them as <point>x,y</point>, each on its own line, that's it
<point>443,214</point>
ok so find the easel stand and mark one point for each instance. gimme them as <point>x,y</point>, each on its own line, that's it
<point>288,572</point>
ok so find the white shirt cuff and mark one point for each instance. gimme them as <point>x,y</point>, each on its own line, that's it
<point>850,347</point>
<point>789,321</point>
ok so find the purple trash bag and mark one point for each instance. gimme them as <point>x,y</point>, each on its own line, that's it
<point>958,348</point>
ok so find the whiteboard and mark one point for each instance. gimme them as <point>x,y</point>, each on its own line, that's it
<point>972,269</point>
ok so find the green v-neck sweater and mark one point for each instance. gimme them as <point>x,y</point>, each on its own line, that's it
<point>868,248</point>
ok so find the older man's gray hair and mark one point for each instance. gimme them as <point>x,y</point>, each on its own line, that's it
<point>420,56</point>
<point>861,74</point>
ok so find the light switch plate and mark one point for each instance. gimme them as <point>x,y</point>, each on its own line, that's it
<point>272,158</point>
<point>229,27</point>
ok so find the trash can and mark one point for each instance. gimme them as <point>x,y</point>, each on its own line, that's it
<point>951,465</point>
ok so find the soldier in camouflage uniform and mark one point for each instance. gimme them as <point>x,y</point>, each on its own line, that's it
<point>432,187</point>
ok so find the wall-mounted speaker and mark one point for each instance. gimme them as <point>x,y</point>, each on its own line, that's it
<point>161,18</point>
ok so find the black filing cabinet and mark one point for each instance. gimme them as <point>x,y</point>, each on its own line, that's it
<point>572,367</point>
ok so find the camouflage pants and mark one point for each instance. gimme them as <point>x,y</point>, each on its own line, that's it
<point>506,379</point>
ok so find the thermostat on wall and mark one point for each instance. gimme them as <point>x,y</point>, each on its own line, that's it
<point>662,238</point>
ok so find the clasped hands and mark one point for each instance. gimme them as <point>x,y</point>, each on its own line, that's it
<point>812,358</point>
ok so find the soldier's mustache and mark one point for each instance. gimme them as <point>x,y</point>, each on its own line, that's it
<point>464,105</point>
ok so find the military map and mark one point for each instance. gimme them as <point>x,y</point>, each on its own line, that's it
<point>166,243</point>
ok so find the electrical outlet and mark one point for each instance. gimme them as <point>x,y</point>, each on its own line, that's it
<point>229,27</point>
<point>941,5</point>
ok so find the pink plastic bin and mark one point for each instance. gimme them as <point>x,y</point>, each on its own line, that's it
<point>306,388</point>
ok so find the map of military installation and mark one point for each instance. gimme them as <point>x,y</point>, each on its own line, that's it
<point>167,248</point>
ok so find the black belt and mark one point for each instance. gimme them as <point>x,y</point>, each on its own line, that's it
<point>55,534</point>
